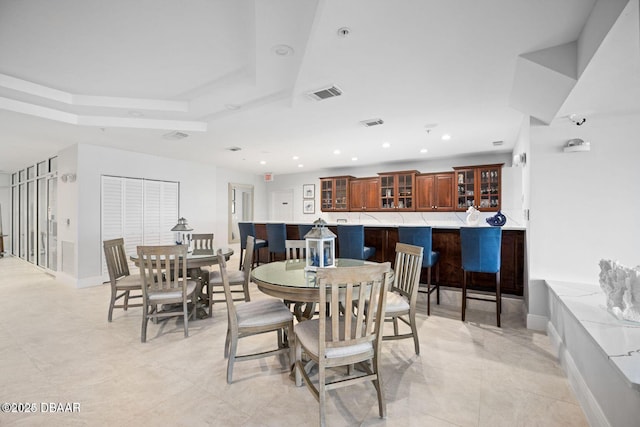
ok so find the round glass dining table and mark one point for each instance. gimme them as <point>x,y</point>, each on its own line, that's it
<point>289,281</point>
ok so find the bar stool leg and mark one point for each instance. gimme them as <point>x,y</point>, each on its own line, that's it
<point>464,293</point>
<point>498,299</point>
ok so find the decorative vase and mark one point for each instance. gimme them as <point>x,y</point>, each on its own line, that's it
<point>473,217</point>
<point>498,220</point>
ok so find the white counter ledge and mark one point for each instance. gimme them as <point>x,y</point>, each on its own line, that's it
<point>619,340</point>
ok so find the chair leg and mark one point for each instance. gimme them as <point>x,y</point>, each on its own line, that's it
<point>298,363</point>
<point>322,398</point>
<point>414,331</point>
<point>232,357</point>
<point>498,299</point>
<point>464,293</point>
<point>241,257</point>
<point>112,303</point>
<point>185,315</point>
<point>395,326</point>
<point>227,342</point>
<point>145,319</point>
<point>126,301</point>
<point>382,405</point>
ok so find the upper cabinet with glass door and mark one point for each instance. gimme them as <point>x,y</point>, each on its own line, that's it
<point>479,186</point>
<point>397,190</point>
<point>334,193</point>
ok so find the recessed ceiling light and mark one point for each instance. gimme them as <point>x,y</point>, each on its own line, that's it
<point>300,165</point>
<point>386,145</point>
<point>262,162</point>
<point>424,150</point>
<point>336,151</point>
<point>282,50</point>
<point>295,157</point>
<point>446,137</point>
<point>354,159</point>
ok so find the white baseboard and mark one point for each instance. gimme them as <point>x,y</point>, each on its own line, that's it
<point>592,411</point>
<point>537,322</point>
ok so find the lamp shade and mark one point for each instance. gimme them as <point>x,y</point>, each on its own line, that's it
<point>182,225</point>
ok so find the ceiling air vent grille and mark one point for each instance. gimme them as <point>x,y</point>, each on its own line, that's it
<point>325,93</point>
<point>372,122</point>
<point>175,135</point>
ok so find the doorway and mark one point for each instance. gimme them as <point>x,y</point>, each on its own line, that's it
<point>282,206</point>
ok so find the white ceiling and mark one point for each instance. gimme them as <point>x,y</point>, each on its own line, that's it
<point>124,73</point>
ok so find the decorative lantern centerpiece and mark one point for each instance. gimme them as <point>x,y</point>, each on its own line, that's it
<point>181,229</point>
<point>320,246</point>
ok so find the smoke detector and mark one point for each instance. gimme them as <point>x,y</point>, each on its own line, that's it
<point>372,122</point>
<point>576,145</point>
<point>328,92</point>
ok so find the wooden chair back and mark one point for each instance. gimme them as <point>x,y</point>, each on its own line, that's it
<point>116,258</point>
<point>163,269</point>
<point>202,241</point>
<point>296,249</point>
<point>407,269</point>
<point>340,288</point>
<point>228,296</point>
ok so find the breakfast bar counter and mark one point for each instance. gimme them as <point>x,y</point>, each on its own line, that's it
<point>446,240</point>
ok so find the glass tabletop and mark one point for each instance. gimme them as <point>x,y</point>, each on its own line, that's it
<point>292,274</point>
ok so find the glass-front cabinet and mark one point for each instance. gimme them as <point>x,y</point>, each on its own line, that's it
<point>479,186</point>
<point>334,193</point>
<point>397,190</point>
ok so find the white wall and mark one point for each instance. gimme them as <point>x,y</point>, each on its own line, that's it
<point>202,198</point>
<point>584,206</point>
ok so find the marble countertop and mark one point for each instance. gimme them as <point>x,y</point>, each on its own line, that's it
<point>435,224</point>
<point>619,339</point>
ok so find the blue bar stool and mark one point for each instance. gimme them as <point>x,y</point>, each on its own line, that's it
<point>351,242</point>
<point>303,229</point>
<point>481,253</point>
<point>249,229</point>
<point>276,237</point>
<point>422,236</point>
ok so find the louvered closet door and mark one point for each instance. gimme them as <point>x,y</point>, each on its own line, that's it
<point>140,211</point>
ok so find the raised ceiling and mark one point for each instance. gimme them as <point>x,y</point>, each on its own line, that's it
<point>125,73</point>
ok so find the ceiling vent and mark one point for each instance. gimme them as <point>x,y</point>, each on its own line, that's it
<point>325,93</point>
<point>497,143</point>
<point>372,122</point>
<point>175,135</point>
<point>234,148</point>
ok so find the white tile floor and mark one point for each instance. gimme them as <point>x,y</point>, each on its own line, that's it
<point>57,346</point>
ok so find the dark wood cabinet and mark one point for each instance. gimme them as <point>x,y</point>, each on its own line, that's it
<point>334,194</point>
<point>397,191</point>
<point>434,192</point>
<point>363,194</point>
<point>478,186</point>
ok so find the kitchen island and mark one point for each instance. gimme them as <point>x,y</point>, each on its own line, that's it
<point>446,240</point>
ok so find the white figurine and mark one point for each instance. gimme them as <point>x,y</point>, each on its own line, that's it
<point>474,216</point>
<point>621,285</point>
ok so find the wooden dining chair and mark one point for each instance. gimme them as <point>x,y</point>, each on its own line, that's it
<point>252,318</point>
<point>296,249</point>
<point>238,280</point>
<point>163,272</point>
<point>402,298</point>
<point>202,241</point>
<point>340,338</point>
<point>122,283</point>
